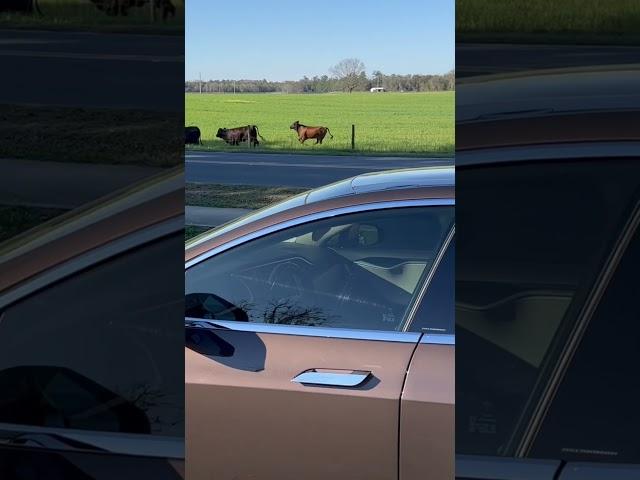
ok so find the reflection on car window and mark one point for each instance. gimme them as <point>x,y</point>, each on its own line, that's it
<point>533,239</point>
<point>58,364</point>
<point>352,271</point>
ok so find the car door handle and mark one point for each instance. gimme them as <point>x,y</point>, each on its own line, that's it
<point>332,378</point>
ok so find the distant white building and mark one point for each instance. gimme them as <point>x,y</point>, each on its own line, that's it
<point>377,89</point>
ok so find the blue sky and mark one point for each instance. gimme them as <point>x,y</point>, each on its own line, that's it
<point>287,39</point>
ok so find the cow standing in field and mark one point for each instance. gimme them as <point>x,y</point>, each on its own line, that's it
<point>305,133</point>
<point>121,7</point>
<point>192,136</point>
<point>239,135</point>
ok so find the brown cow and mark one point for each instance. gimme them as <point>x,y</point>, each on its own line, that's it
<point>305,133</point>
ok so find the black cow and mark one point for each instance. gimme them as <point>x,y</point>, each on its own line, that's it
<point>192,136</point>
<point>239,135</point>
<point>121,7</point>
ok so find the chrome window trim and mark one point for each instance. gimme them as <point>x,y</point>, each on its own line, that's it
<point>425,286</point>
<point>438,339</point>
<point>427,202</point>
<point>306,331</point>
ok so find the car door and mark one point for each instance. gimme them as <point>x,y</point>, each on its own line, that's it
<point>72,406</point>
<point>428,397</point>
<point>296,353</point>
<point>546,320</point>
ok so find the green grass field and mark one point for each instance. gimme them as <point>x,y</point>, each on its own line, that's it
<point>83,14</point>
<point>553,19</point>
<point>104,135</point>
<point>407,123</point>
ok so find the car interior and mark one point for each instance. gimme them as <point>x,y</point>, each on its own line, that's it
<point>360,271</point>
<point>519,287</point>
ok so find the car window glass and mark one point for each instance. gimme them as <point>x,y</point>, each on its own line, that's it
<point>601,387</point>
<point>58,364</point>
<point>358,270</point>
<point>435,314</point>
<point>533,238</point>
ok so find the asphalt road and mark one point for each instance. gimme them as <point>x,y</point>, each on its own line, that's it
<point>486,58</point>
<point>56,184</point>
<point>92,69</point>
<point>291,170</point>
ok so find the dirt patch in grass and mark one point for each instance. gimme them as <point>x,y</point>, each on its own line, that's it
<point>16,219</point>
<point>236,196</point>
<point>64,134</point>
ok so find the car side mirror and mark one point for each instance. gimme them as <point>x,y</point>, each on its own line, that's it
<point>213,307</point>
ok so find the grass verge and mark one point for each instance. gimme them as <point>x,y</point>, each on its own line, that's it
<point>236,196</point>
<point>191,231</point>
<point>17,219</point>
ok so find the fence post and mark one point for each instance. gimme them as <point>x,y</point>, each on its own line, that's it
<point>353,137</point>
<point>152,10</point>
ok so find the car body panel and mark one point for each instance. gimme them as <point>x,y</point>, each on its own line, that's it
<point>427,414</point>
<point>339,195</point>
<point>90,227</point>
<point>247,419</point>
<point>72,243</point>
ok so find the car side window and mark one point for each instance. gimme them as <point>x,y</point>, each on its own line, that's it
<point>600,388</point>
<point>58,364</point>
<point>436,311</point>
<point>534,237</point>
<point>358,271</point>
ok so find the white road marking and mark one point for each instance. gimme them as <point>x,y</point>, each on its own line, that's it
<point>91,56</point>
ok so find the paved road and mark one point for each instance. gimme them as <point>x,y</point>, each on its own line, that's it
<point>211,217</point>
<point>92,69</point>
<point>57,185</point>
<point>291,170</point>
<point>481,59</point>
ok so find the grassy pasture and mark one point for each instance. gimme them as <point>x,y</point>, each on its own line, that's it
<point>83,14</point>
<point>552,19</point>
<point>386,123</point>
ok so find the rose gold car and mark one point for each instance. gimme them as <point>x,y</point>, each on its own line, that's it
<point>319,335</point>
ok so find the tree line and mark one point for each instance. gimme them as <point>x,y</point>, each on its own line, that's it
<point>349,75</point>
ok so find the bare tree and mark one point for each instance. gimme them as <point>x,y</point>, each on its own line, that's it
<point>348,71</point>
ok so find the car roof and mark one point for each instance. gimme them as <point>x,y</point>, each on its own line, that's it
<point>384,181</point>
<point>388,185</point>
<point>144,204</point>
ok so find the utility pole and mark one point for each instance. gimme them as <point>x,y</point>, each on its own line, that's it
<point>200,74</point>
<point>234,86</point>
